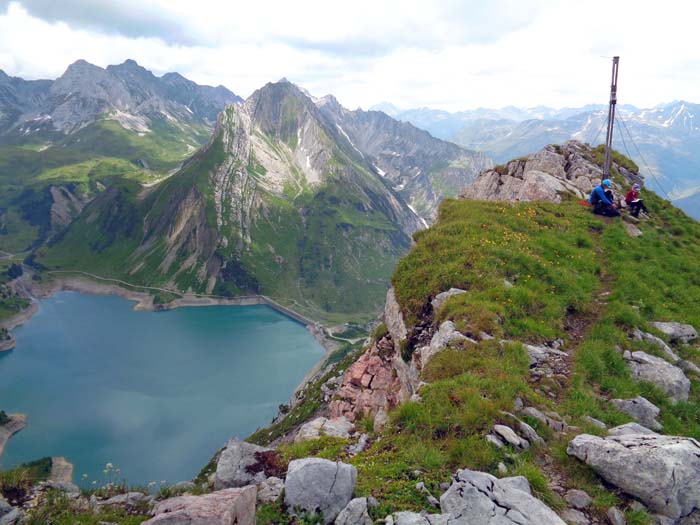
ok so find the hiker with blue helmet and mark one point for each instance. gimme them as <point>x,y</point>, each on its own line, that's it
<point>602,200</point>
<point>634,203</point>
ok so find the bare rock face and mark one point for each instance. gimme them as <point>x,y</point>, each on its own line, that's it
<point>445,336</point>
<point>315,485</point>
<point>661,471</point>
<point>236,465</point>
<point>440,298</point>
<point>393,318</point>
<point>336,427</point>
<point>370,385</point>
<point>477,497</point>
<point>642,410</point>
<point>225,507</point>
<point>683,333</point>
<point>356,512</point>
<point>661,373</point>
<point>544,175</point>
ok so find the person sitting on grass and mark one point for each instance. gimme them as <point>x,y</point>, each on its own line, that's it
<point>602,200</point>
<point>634,203</point>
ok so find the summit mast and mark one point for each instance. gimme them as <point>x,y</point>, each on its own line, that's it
<point>611,118</point>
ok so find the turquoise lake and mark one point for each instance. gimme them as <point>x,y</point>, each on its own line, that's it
<point>153,393</point>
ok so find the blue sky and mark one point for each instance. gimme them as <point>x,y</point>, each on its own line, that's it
<point>443,54</point>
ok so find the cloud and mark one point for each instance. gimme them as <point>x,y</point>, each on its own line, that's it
<point>446,54</point>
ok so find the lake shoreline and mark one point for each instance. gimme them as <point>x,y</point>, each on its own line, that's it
<point>145,302</point>
<point>17,422</point>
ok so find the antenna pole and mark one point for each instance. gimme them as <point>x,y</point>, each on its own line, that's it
<point>611,118</point>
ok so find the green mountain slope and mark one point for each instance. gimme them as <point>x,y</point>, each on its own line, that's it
<point>534,273</point>
<point>277,203</point>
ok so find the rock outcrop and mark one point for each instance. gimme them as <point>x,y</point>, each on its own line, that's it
<point>477,497</point>
<point>544,175</point>
<point>356,512</point>
<point>682,333</point>
<point>225,507</point>
<point>661,471</point>
<point>240,464</point>
<point>16,423</point>
<point>642,410</point>
<point>315,485</point>
<point>659,372</point>
<point>336,427</point>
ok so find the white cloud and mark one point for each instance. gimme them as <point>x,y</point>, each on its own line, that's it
<point>447,54</point>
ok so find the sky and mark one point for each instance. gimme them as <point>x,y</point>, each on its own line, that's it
<point>443,54</point>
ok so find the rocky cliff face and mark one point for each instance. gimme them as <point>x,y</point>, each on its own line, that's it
<point>277,202</point>
<point>421,168</point>
<point>126,93</point>
<point>545,175</point>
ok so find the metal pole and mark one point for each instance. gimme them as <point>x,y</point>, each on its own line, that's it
<point>611,118</point>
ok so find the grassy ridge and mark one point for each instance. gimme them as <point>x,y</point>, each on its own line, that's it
<point>564,266</point>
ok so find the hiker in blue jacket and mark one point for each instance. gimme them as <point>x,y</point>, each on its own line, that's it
<point>602,200</point>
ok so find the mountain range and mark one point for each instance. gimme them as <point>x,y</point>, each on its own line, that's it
<point>664,138</point>
<point>158,181</point>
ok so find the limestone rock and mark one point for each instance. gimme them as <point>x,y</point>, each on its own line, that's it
<point>661,373</point>
<point>477,497</point>
<point>270,490</point>
<point>13,517</point>
<point>356,512</point>
<point>393,318</point>
<point>225,507</point>
<point>683,333</point>
<point>661,471</point>
<point>509,436</point>
<point>595,422</point>
<point>319,485</point>
<point>630,428</point>
<point>235,464</point>
<point>574,517</point>
<point>578,499</point>
<point>5,507</point>
<point>642,410</point>
<point>440,298</point>
<point>658,342</point>
<point>335,427</point>
<point>445,336</point>
<point>413,518</point>
<point>631,229</point>
<point>616,517</point>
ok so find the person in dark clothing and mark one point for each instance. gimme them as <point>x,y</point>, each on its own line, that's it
<point>634,203</point>
<point>602,200</point>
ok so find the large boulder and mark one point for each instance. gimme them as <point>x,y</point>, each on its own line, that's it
<point>225,507</point>
<point>339,427</point>
<point>661,373</point>
<point>477,497</point>
<point>642,410</point>
<point>240,464</point>
<point>630,428</point>
<point>661,471</point>
<point>683,333</point>
<point>315,485</point>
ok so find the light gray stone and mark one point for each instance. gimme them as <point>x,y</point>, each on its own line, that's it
<point>641,409</point>
<point>355,513</point>
<point>445,336</point>
<point>683,333</point>
<point>339,427</point>
<point>270,490</point>
<point>225,507</point>
<point>318,485</point>
<point>5,507</point>
<point>595,422</point>
<point>233,466</point>
<point>661,373</point>
<point>578,499</point>
<point>535,413</point>
<point>13,517</point>
<point>630,429</point>
<point>661,471</point>
<point>616,516</point>
<point>393,318</point>
<point>509,435</point>
<point>440,298</point>
<point>575,517</point>
<point>479,498</point>
<point>658,342</point>
<point>530,434</point>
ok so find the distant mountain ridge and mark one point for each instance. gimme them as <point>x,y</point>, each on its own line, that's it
<point>666,135</point>
<point>127,92</point>
<point>293,196</point>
